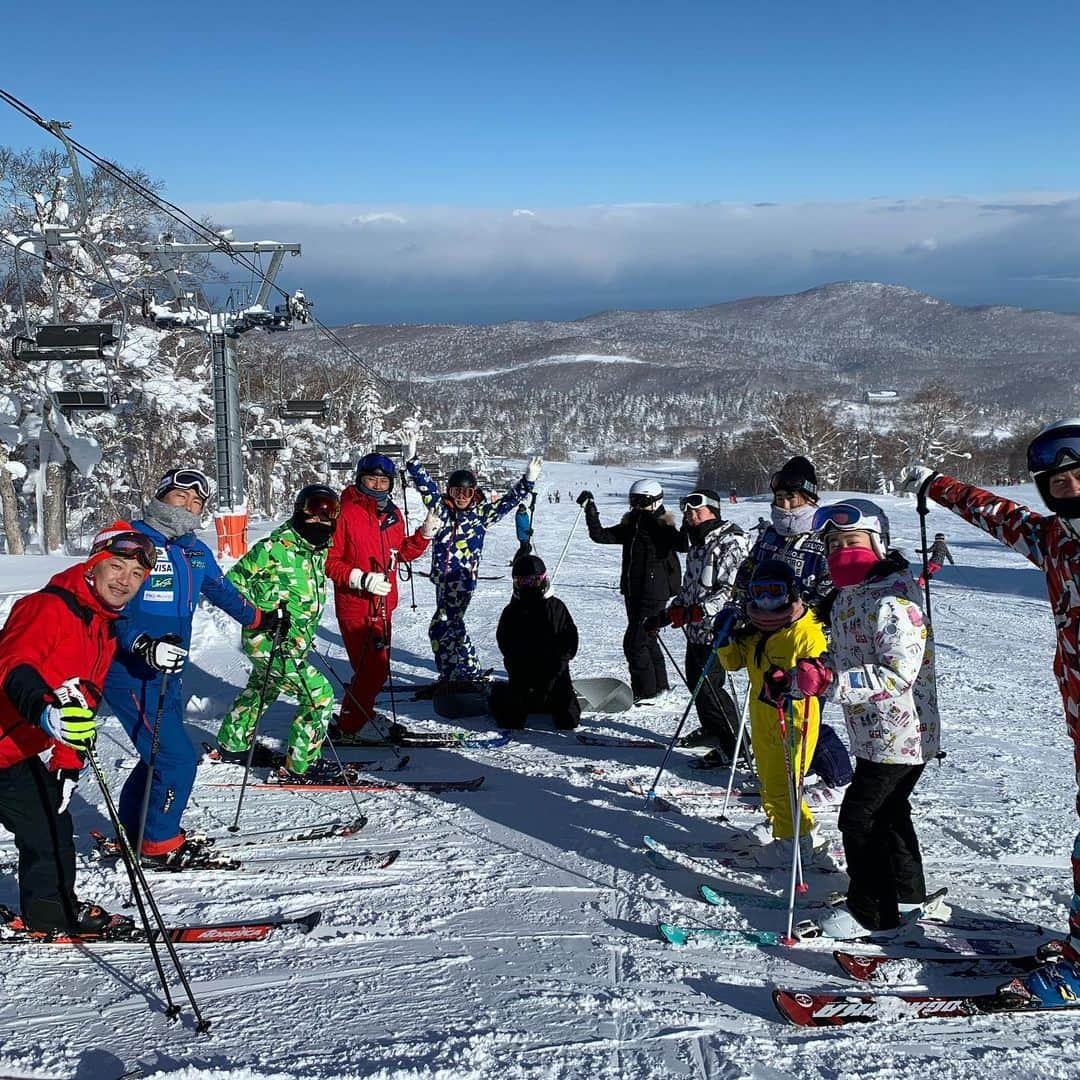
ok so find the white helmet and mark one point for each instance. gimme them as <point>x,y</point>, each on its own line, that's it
<point>855,515</point>
<point>645,492</point>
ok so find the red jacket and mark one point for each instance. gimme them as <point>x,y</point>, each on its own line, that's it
<point>62,632</point>
<point>372,541</point>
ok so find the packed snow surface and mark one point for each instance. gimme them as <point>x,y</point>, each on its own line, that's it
<point>515,936</point>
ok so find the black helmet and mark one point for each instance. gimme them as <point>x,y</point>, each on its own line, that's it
<point>528,566</point>
<point>321,502</point>
<point>464,478</point>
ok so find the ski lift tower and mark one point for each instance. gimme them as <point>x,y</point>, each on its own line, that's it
<point>223,328</point>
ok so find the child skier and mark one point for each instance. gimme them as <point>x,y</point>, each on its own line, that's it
<point>538,639</point>
<point>938,554</point>
<point>456,550</point>
<point>55,649</point>
<point>287,569</point>
<point>1052,543</point>
<point>716,548</point>
<point>880,668</point>
<point>781,629</point>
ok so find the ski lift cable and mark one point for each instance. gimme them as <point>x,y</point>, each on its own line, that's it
<point>182,217</point>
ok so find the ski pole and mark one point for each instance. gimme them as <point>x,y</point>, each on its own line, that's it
<point>923,510</point>
<point>276,641</point>
<point>785,738</point>
<point>744,714</point>
<point>650,795</point>
<point>155,745</point>
<point>405,510</point>
<point>797,790</point>
<point>573,529</point>
<point>140,888</point>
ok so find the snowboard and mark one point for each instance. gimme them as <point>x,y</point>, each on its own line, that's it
<point>603,695</point>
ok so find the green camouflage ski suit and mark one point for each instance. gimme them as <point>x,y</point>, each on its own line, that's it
<point>283,566</point>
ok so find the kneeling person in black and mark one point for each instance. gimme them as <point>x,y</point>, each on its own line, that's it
<point>538,639</point>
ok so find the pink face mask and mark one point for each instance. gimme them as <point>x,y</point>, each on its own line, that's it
<point>850,565</point>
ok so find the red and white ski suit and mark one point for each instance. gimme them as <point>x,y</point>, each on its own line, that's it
<point>373,541</point>
<point>1054,547</point>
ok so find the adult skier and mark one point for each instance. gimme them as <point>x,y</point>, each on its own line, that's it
<point>286,569</point>
<point>464,516</point>
<point>650,576</point>
<point>538,639</point>
<point>55,650</point>
<point>144,686</point>
<point>368,545</point>
<point>880,668</point>
<point>523,530</point>
<point>937,555</point>
<point>1052,543</point>
<point>715,550</point>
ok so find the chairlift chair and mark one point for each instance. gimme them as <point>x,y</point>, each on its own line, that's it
<point>301,409</point>
<point>390,450</point>
<point>70,401</point>
<point>266,446</point>
<point>64,341</point>
<point>342,466</point>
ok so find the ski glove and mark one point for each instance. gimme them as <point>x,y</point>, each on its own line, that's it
<point>532,470</point>
<point>69,716</point>
<point>164,654</point>
<point>813,676</point>
<point>655,623</point>
<point>914,477</point>
<point>776,686</point>
<point>432,524</point>
<point>277,622</point>
<point>585,497</point>
<point>372,582</point>
<point>408,447</point>
<point>680,615</point>
<point>69,781</point>
<point>724,626</point>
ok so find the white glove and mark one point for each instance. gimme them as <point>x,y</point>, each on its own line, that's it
<point>912,477</point>
<point>532,470</point>
<point>164,654</point>
<point>408,447</point>
<point>69,781</point>
<point>372,581</point>
<point>432,524</point>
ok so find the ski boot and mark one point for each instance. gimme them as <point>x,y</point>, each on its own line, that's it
<point>264,756</point>
<point>1053,985</point>
<point>714,759</point>
<point>195,853</point>
<point>698,737</point>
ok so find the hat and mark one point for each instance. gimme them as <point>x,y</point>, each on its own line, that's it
<point>122,540</point>
<point>798,474</point>
<point>528,566</point>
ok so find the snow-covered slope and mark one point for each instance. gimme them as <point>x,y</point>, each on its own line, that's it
<point>515,936</point>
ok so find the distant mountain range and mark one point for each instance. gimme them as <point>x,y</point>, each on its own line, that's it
<point>841,339</point>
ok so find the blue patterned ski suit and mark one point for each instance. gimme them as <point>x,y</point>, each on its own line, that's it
<point>185,572</point>
<point>455,561</point>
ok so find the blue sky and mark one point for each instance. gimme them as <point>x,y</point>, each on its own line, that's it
<point>313,119</point>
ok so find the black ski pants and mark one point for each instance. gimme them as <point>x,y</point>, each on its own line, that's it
<point>29,800</point>
<point>511,702</point>
<point>644,657</point>
<point>716,712</point>
<point>884,863</point>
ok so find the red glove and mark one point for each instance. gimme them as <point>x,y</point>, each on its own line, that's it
<point>677,615</point>
<point>813,677</point>
<point>933,567</point>
<point>776,686</point>
<point>695,613</point>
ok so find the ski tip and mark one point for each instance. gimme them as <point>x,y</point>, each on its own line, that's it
<point>858,967</point>
<point>310,920</point>
<point>391,857</point>
<point>672,934</point>
<point>710,895</point>
<point>355,825</point>
<point>788,1008</point>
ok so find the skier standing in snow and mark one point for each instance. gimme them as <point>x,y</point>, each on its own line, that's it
<point>937,555</point>
<point>715,550</point>
<point>154,638</point>
<point>55,650</point>
<point>464,516</point>
<point>880,668</point>
<point>286,569</point>
<point>1052,543</point>
<point>650,576</point>
<point>523,530</point>
<point>781,629</point>
<point>538,639</point>
<point>368,544</point>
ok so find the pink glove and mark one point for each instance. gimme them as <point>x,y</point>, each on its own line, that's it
<point>812,677</point>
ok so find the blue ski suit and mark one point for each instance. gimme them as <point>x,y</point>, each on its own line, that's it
<point>185,571</point>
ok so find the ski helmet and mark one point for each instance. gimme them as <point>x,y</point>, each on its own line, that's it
<point>462,478</point>
<point>322,503</point>
<point>797,474</point>
<point>185,480</point>
<point>645,493</point>
<point>1055,449</point>
<point>772,585</point>
<point>529,572</point>
<point>375,465</point>
<point>855,515</point>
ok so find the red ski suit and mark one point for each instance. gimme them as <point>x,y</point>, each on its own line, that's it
<point>369,540</point>
<point>1052,545</point>
<point>61,632</point>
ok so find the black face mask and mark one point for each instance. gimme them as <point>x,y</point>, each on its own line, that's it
<point>317,533</point>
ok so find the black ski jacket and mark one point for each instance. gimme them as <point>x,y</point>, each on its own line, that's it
<point>537,637</point>
<point>650,565</point>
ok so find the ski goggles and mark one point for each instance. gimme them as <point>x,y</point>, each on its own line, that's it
<point>459,491</point>
<point>1055,450</point>
<point>186,480</point>
<point>325,507</point>
<point>770,595</point>
<point>847,517</point>
<point>530,581</point>
<point>128,545</point>
<point>697,501</point>
<point>376,465</point>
